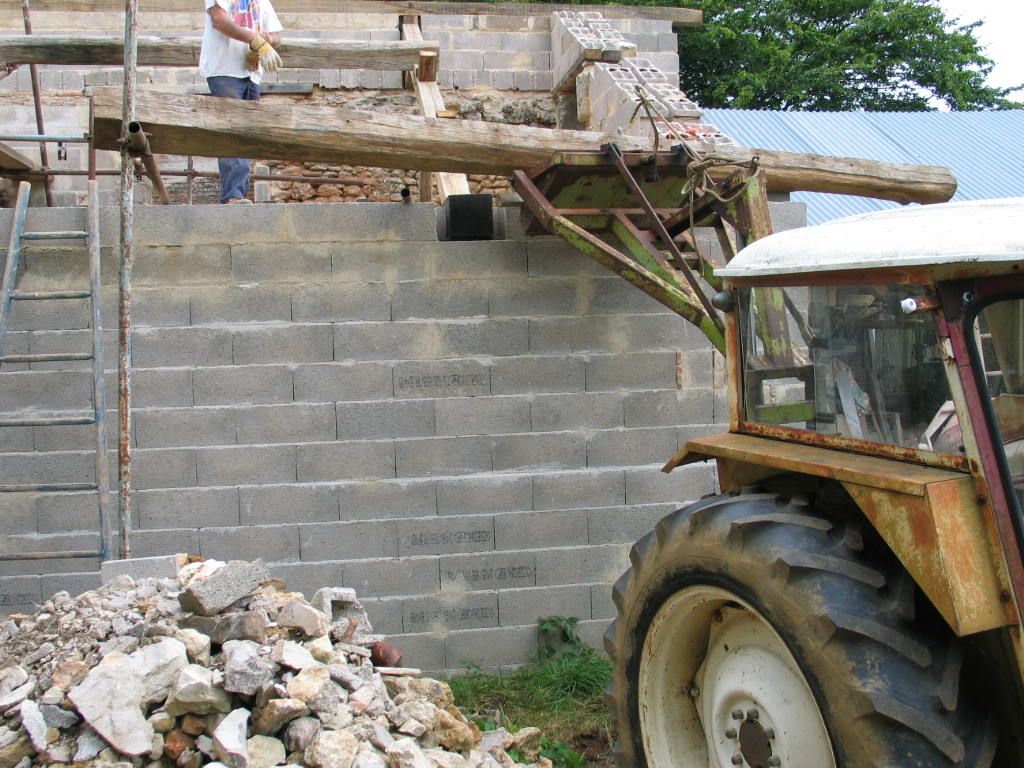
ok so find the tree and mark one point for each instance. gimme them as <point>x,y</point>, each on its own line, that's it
<point>887,55</point>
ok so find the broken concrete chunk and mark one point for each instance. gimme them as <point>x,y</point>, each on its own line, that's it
<point>194,692</point>
<point>332,749</point>
<point>300,615</point>
<point>229,739</point>
<point>245,669</point>
<point>223,587</point>
<point>110,700</point>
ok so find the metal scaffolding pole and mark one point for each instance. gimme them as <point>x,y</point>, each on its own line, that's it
<point>37,100</point>
<point>124,362</point>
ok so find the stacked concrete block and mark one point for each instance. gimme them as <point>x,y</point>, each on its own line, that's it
<point>469,434</point>
<point>578,37</point>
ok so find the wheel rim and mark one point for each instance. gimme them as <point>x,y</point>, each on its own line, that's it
<point>718,687</point>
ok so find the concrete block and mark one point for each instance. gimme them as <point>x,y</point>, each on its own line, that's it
<point>482,415</point>
<point>503,79</point>
<point>526,41</point>
<point>442,456</point>
<point>187,264</point>
<point>385,341</point>
<point>650,485</point>
<point>389,262</point>
<point>540,296</point>
<point>298,262</point>
<point>787,215</point>
<point>450,378</point>
<point>445,535</point>
<point>642,370</point>
<point>601,605</point>
<point>397,498</point>
<point>488,570</point>
<point>278,504</point>
<point>163,468</point>
<point>67,467</point>
<point>163,567</point>
<point>370,79</point>
<point>153,543</point>
<point>539,451</point>
<point>582,565</point>
<point>242,304</point>
<point>586,410</point>
<point>665,407</point>
<point>479,260</point>
<point>630,447</point>
<point>291,344</point>
<point>473,610</point>
<point>72,583</point>
<point>307,578</point>
<point>536,530</point>
<point>489,646</point>
<point>181,347</point>
<point>483,337</point>
<point>224,586</point>
<point>385,419</point>
<point>22,439</point>
<point>571,490</point>
<point>539,374</point>
<point>592,632</point>
<point>381,578</point>
<point>187,507</point>
<point>473,495</point>
<point>464,59</point>
<point>319,462</point>
<point>238,385</point>
<point>176,427</point>
<point>152,307</point>
<point>20,594</point>
<point>524,80</point>
<point>544,81</point>
<point>699,368</point>
<point>349,541</point>
<point>273,543</point>
<point>516,59</point>
<point>155,387</point>
<point>49,390</point>
<point>423,651</point>
<point>625,525</point>
<point>293,423</point>
<point>613,295</point>
<point>18,511</point>
<point>246,464</point>
<point>518,607</point>
<point>439,299</point>
<point>338,382</point>
<point>50,315</point>
<point>341,301</point>
<point>387,618</point>
<point>410,223</point>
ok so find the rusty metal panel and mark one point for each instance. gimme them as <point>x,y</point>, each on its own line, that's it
<point>943,541</point>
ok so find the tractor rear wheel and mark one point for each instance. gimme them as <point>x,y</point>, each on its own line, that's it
<point>753,631</point>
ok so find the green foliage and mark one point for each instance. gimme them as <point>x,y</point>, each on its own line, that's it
<point>561,693</point>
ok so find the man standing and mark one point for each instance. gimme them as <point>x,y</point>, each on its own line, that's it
<point>238,42</point>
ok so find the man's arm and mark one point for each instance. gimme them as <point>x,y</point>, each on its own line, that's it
<point>222,23</point>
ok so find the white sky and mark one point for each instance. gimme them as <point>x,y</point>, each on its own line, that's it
<point>1000,34</point>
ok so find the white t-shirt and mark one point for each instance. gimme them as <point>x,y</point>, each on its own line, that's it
<point>222,56</point>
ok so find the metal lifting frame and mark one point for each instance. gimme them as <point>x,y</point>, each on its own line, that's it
<point>637,214</point>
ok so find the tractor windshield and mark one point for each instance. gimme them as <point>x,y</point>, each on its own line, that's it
<point>847,361</point>
<point>999,351</point>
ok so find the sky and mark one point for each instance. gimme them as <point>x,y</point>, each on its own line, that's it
<point>1000,34</point>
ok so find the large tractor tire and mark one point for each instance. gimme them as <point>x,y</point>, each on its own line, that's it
<point>753,631</point>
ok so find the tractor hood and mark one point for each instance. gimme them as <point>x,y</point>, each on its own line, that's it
<point>970,236</point>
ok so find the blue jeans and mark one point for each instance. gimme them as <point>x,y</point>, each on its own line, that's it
<point>234,171</point>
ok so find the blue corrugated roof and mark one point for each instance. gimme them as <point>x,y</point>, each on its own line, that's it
<point>985,150</point>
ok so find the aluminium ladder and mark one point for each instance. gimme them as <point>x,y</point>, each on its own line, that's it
<point>9,294</point>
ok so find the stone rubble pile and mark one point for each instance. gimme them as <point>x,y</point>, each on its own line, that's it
<point>223,667</point>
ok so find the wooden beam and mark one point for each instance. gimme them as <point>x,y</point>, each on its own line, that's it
<point>157,51</point>
<point>13,160</point>
<point>428,93</point>
<point>211,127</point>
<point>797,172</point>
<point>681,16</point>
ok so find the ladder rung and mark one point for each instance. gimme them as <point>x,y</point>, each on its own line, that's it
<point>47,487</point>
<point>71,553</point>
<point>68,235</point>
<point>57,358</point>
<point>47,295</point>
<point>47,421</point>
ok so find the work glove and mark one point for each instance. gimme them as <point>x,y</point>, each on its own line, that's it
<point>262,52</point>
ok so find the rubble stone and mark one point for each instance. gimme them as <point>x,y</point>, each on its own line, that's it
<point>313,685</point>
<point>158,666</point>
<point>229,740</point>
<point>332,749</point>
<point>32,721</point>
<point>245,670</point>
<point>300,733</point>
<point>194,692</point>
<point>14,747</point>
<point>406,753</point>
<point>265,752</point>
<point>226,585</point>
<point>270,718</point>
<point>88,745</point>
<point>197,645</point>
<point>242,625</point>
<point>299,614</point>
<point>110,700</point>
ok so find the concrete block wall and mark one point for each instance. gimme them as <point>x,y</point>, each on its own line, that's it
<point>468,433</point>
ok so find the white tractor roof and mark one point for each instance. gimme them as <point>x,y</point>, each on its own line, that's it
<point>931,235</point>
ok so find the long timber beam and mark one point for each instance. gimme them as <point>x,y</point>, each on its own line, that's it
<point>13,160</point>
<point>686,17</point>
<point>156,51</point>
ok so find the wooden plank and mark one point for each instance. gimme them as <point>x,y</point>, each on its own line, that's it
<point>793,172</point>
<point>13,160</point>
<point>681,16</point>
<point>209,127</point>
<point>155,51</point>
<point>428,93</point>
